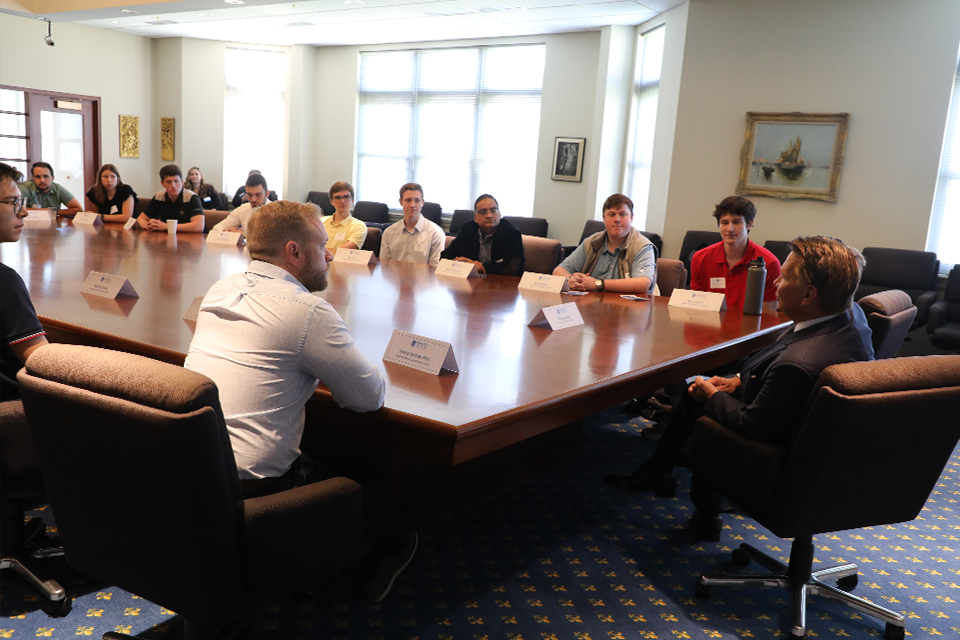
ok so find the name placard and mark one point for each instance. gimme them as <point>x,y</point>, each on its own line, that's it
<point>131,224</point>
<point>542,282</point>
<point>87,217</point>
<point>194,309</point>
<point>38,223</point>
<point>419,352</point>
<point>224,237</point>
<point>106,285</point>
<point>353,256</point>
<point>560,316</point>
<point>702,300</point>
<point>38,214</point>
<point>456,269</point>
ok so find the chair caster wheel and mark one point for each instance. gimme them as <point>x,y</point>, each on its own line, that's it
<point>740,558</point>
<point>704,591</point>
<point>848,582</point>
<point>58,608</point>
<point>893,632</point>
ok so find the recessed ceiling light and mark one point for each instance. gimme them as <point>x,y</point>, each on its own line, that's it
<point>352,1</point>
<point>40,18</point>
<point>117,22</point>
<point>128,11</point>
<point>233,1</point>
<point>204,15</point>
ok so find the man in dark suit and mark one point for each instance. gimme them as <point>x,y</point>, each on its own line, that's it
<point>764,401</point>
<point>491,243</point>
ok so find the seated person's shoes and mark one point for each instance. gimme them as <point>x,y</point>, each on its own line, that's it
<point>706,528</point>
<point>390,567</point>
<point>642,480</point>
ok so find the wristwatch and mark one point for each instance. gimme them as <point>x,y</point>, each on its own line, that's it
<point>598,284</point>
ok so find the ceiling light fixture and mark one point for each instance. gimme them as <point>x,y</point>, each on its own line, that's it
<point>352,1</point>
<point>128,11</point>
<point>204,15</point>
<point>233,1</point>
<point>117,22</point>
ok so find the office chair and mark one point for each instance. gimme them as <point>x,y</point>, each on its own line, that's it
<point>373,240</point>
<point>944,324</point>
<point>914,272</point>
<point>591,227</point>
<point>459,217</point>
<point>694,241</point>
<point>670,275</point>
<point>21,488</point>
<point>778,248</point>
<point>890,315</point>
<point>542,255</point>
<point>144,458</point>
<point>322,200</point>
<point>848,466</point>
<point>432,212</point>
<point>529,226</point>
<point>376,213</point>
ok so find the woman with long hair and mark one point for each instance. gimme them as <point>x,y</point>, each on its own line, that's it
<point>110,197</point>
<point>208,195</point>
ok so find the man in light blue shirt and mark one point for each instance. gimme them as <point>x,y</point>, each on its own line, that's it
<point>618,259</point>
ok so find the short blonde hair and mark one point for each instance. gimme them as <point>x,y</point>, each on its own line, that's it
<point>832,267</point>
<point>273,225</point>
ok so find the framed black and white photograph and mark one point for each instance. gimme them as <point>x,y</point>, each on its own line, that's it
<point>568,159</point>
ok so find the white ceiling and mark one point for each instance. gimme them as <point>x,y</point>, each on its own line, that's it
<point>339,22</point>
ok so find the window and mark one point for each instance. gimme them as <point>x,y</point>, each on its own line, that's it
<point>256,81</point>
<point>944,231</point>
<point>461,122</point>
<point>13,129</point>
<point>643,122</point>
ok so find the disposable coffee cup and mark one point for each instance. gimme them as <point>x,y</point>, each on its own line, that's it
<point>171,226</point>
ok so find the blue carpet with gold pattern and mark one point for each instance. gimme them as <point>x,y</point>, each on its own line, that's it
<point>564,557</point>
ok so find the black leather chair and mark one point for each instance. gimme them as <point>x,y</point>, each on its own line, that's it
<point>849,466</point>
<point>778,248</point>
<point>693,241</point>
<point>322,200</point>
<point>944,323</point>
<point>591,227</point>
<point>914,272</point>
<point>372,241</point>
<point>459,217</point>
<point>529,226</point>
<point>143,484</point>
<point>890,315</point>
<point>21,488</point>
<point>432,212</point>
<point>376,213</point>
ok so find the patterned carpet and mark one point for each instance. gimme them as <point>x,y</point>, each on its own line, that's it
<point>564,557</point>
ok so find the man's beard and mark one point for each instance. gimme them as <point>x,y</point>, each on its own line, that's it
<point>313,278</point>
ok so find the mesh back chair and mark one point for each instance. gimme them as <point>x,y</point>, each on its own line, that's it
<point>322,200</point>
<point>849,466</point>
<point>459,217</point>
<point>944,324</point>
<point>21,488</point>
<point>914,272</point>
<point>375,212</point>
<point>144,458</point>
<point>542,255</point>
<point>432,212</point>
<point>890,315</point>
<point>529,226</point>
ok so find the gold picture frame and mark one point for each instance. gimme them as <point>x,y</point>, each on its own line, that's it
<point>167,140</point>
<point>129,136</point>
<point>793,155</point>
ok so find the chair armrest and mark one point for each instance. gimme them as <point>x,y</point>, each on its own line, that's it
<point>296,537</point>
<point>744,470</point>
<point>939,314</point>
<point>924,302</point>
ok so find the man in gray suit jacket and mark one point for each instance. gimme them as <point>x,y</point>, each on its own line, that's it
<point>765,400</point>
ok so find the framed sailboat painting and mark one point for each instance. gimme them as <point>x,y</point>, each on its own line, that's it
<point>793,155</point>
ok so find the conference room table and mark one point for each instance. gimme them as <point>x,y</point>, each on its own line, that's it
<point>512,408</point>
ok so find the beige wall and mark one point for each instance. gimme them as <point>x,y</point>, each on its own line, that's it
<point>888,64</point>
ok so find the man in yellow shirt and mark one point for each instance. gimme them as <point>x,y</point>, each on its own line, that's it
<point>342,228</point>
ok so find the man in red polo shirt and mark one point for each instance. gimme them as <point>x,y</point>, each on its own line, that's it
<point>722,267</point>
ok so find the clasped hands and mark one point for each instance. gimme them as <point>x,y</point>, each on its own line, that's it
<point>582,282</point>
<point>701,390</point>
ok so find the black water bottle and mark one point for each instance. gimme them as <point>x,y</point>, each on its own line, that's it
<point>756,281</point>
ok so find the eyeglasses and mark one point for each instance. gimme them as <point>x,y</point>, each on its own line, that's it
<point>18,204</point>
<point>483,212</point>
<point>342,198</point>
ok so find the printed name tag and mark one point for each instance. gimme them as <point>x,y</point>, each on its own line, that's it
<point>558,316</point>
<point>38,214</point>
<point>419,352</point>
<point>703,300</point>
<point>87,217</point>
<point>718,283</point>
<point>107,286</point>
<point>456,269</point>
<point>420,248</point>
<point>353,256</point>
<point>131,224</point>
<point>340,236</point>
<point>543,282</point>
<point>224,237</point>
<point>194,309</point>
<point>113,210</point>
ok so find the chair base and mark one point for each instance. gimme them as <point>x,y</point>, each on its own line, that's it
<point>799,578</point>
<point>56,603</point>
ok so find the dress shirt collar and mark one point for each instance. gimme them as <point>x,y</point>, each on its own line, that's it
<point>272,271</point>
<point>343,223</point>
<point>806,324</point>
<point>417,228</point>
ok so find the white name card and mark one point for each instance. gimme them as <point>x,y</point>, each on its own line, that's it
<point>353,256</point>
<point>131,224</point>
<point>38,214</point>
<point>702,300</point>
<point>38,223</point>
<point>87,217</point>
<point>419,352</point>
<point>194,309</point>
<point>107,286</point>
<point>543,282</point>
<point>560,316</point>
<point>224,237</point>
<point>456,269</point>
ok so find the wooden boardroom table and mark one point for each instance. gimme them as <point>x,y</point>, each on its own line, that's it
<point>514,408</point>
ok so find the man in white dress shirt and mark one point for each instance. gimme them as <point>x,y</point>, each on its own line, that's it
<point>413,239</point>
<point>257,194</point>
